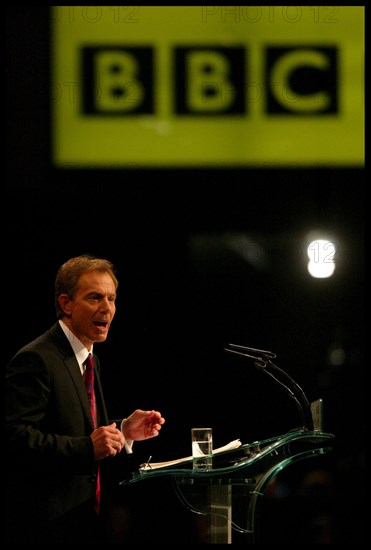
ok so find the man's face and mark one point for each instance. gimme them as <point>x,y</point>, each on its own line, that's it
<point>90,313</point>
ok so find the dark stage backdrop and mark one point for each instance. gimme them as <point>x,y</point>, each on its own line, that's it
<point>179,239</point>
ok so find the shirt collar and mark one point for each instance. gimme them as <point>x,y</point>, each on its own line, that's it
<point>78,347</point>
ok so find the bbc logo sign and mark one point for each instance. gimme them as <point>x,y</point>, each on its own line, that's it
<point>207,81</point>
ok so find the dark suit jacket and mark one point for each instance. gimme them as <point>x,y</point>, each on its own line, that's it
<point>50,466</point>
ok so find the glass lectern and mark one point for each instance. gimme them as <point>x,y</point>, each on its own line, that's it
<point>229,495</point>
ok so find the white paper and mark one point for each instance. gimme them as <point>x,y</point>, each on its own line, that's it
<point>154,465</point>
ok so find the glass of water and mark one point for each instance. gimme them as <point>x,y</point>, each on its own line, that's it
<point>202,448</point>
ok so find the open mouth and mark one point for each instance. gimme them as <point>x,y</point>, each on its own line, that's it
<point>101,324</point>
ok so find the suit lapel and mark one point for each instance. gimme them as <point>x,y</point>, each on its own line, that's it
<point>73,368</point>
<point>99,396</point>
<point>78,380</point>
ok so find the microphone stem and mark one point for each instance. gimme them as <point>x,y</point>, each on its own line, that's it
<point>262,359</point>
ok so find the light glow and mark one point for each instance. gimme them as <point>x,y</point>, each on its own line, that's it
<point>321,253</point>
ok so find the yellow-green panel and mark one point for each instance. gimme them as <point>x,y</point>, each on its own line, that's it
<point>227,86</point>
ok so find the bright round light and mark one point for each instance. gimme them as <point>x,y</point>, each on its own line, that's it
<point>321,254</point>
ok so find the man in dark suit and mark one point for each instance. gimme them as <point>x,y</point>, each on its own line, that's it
<point>55,450</point>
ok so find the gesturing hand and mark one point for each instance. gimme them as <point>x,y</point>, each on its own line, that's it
<point>142,425</point>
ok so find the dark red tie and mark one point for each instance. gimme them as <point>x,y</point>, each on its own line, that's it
<point>89,381</point>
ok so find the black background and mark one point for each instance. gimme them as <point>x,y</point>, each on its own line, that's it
<point>185,293</point>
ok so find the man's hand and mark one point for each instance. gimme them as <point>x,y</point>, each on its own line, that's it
<point>142,425</point>
<point>107,441</point>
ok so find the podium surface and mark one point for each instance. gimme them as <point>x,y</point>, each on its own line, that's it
<point>227,497</point>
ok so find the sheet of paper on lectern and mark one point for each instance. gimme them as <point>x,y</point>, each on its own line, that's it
<point>154,465</point>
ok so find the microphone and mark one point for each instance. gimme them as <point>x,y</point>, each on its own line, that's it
<point>263,361</point>
<point>258,353</point>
